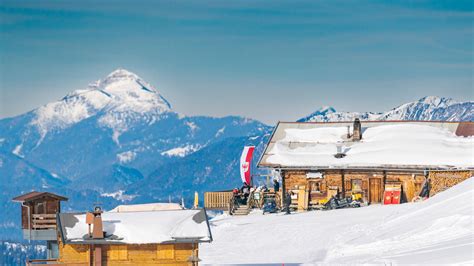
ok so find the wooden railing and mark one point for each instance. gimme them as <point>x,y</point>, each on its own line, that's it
<point>41,261</point>
<point>217,200</point>
<point>43,221</point>
<point>51,262</point>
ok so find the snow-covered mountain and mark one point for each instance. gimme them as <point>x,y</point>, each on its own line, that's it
<point>119,99</point>
<point>427,108</point>
<point>101,140</point>
<point>121,120</point>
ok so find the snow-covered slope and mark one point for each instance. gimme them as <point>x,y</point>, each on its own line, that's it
<point>437,231</point>
<point>427,108</point>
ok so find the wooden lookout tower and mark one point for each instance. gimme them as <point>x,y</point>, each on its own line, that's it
<point>38,217</point>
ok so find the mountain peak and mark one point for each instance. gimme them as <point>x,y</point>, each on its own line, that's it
<point>436,101</point>
<point>326,109</point>
<point>121,97</point>
<point>123,79</point>
<point>121,73</point>
<point>323,111</point>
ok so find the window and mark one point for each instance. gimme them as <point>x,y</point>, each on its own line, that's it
<point>317,186</point>
<point>53,250</point>
<point>356,185</point>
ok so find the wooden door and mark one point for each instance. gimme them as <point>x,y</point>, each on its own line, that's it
<point>375,190</point>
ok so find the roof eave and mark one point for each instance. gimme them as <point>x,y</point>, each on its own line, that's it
<point>266,145</point>
<point>118,242</point>
<point>381,167</point>
<point>21,198</point>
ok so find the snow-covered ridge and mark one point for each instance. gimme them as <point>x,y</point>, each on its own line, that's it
<point>426,108</point>
<point>120,97</point>
<point>181,151</point>
<point>119,195</point>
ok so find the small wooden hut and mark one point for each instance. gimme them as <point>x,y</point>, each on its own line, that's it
<point>38,218</point>
<point>38,211</point>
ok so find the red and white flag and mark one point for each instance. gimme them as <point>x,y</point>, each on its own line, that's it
<point>245,163</point>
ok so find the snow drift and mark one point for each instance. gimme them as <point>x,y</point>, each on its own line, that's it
<point>437,231</point>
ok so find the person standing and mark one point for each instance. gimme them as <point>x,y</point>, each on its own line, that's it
<point>276,185</point>
<point>288,201</point>
<point>245,190</point>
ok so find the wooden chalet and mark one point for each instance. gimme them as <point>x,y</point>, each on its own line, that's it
<point>145,234</point>
<point>365,159</point>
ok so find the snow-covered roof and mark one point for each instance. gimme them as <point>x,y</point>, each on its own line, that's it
<point>387,145</point>
<point>147,207</point>
<point>151,227</point>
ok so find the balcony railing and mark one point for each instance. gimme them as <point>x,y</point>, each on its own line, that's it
<point>43,221</point>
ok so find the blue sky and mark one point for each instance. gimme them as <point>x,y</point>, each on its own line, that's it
<point>269,60</point>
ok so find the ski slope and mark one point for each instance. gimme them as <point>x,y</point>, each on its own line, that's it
<point>437,231</point>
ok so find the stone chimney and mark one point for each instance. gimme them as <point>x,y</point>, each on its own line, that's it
<point>357,134</point>
<point>95,219</point>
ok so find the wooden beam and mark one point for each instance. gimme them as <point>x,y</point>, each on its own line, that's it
<point>343,184</point>
<point>97,255</point>
<point>283,188</point>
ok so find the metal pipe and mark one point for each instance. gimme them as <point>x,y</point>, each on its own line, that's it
<point>29,221</point>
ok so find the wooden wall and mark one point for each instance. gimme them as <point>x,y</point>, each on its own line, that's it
<point>373,182</point>
<point>334,179</point>
<point>294,179</point>
<point>145,254</point>
<point>74,254</point>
